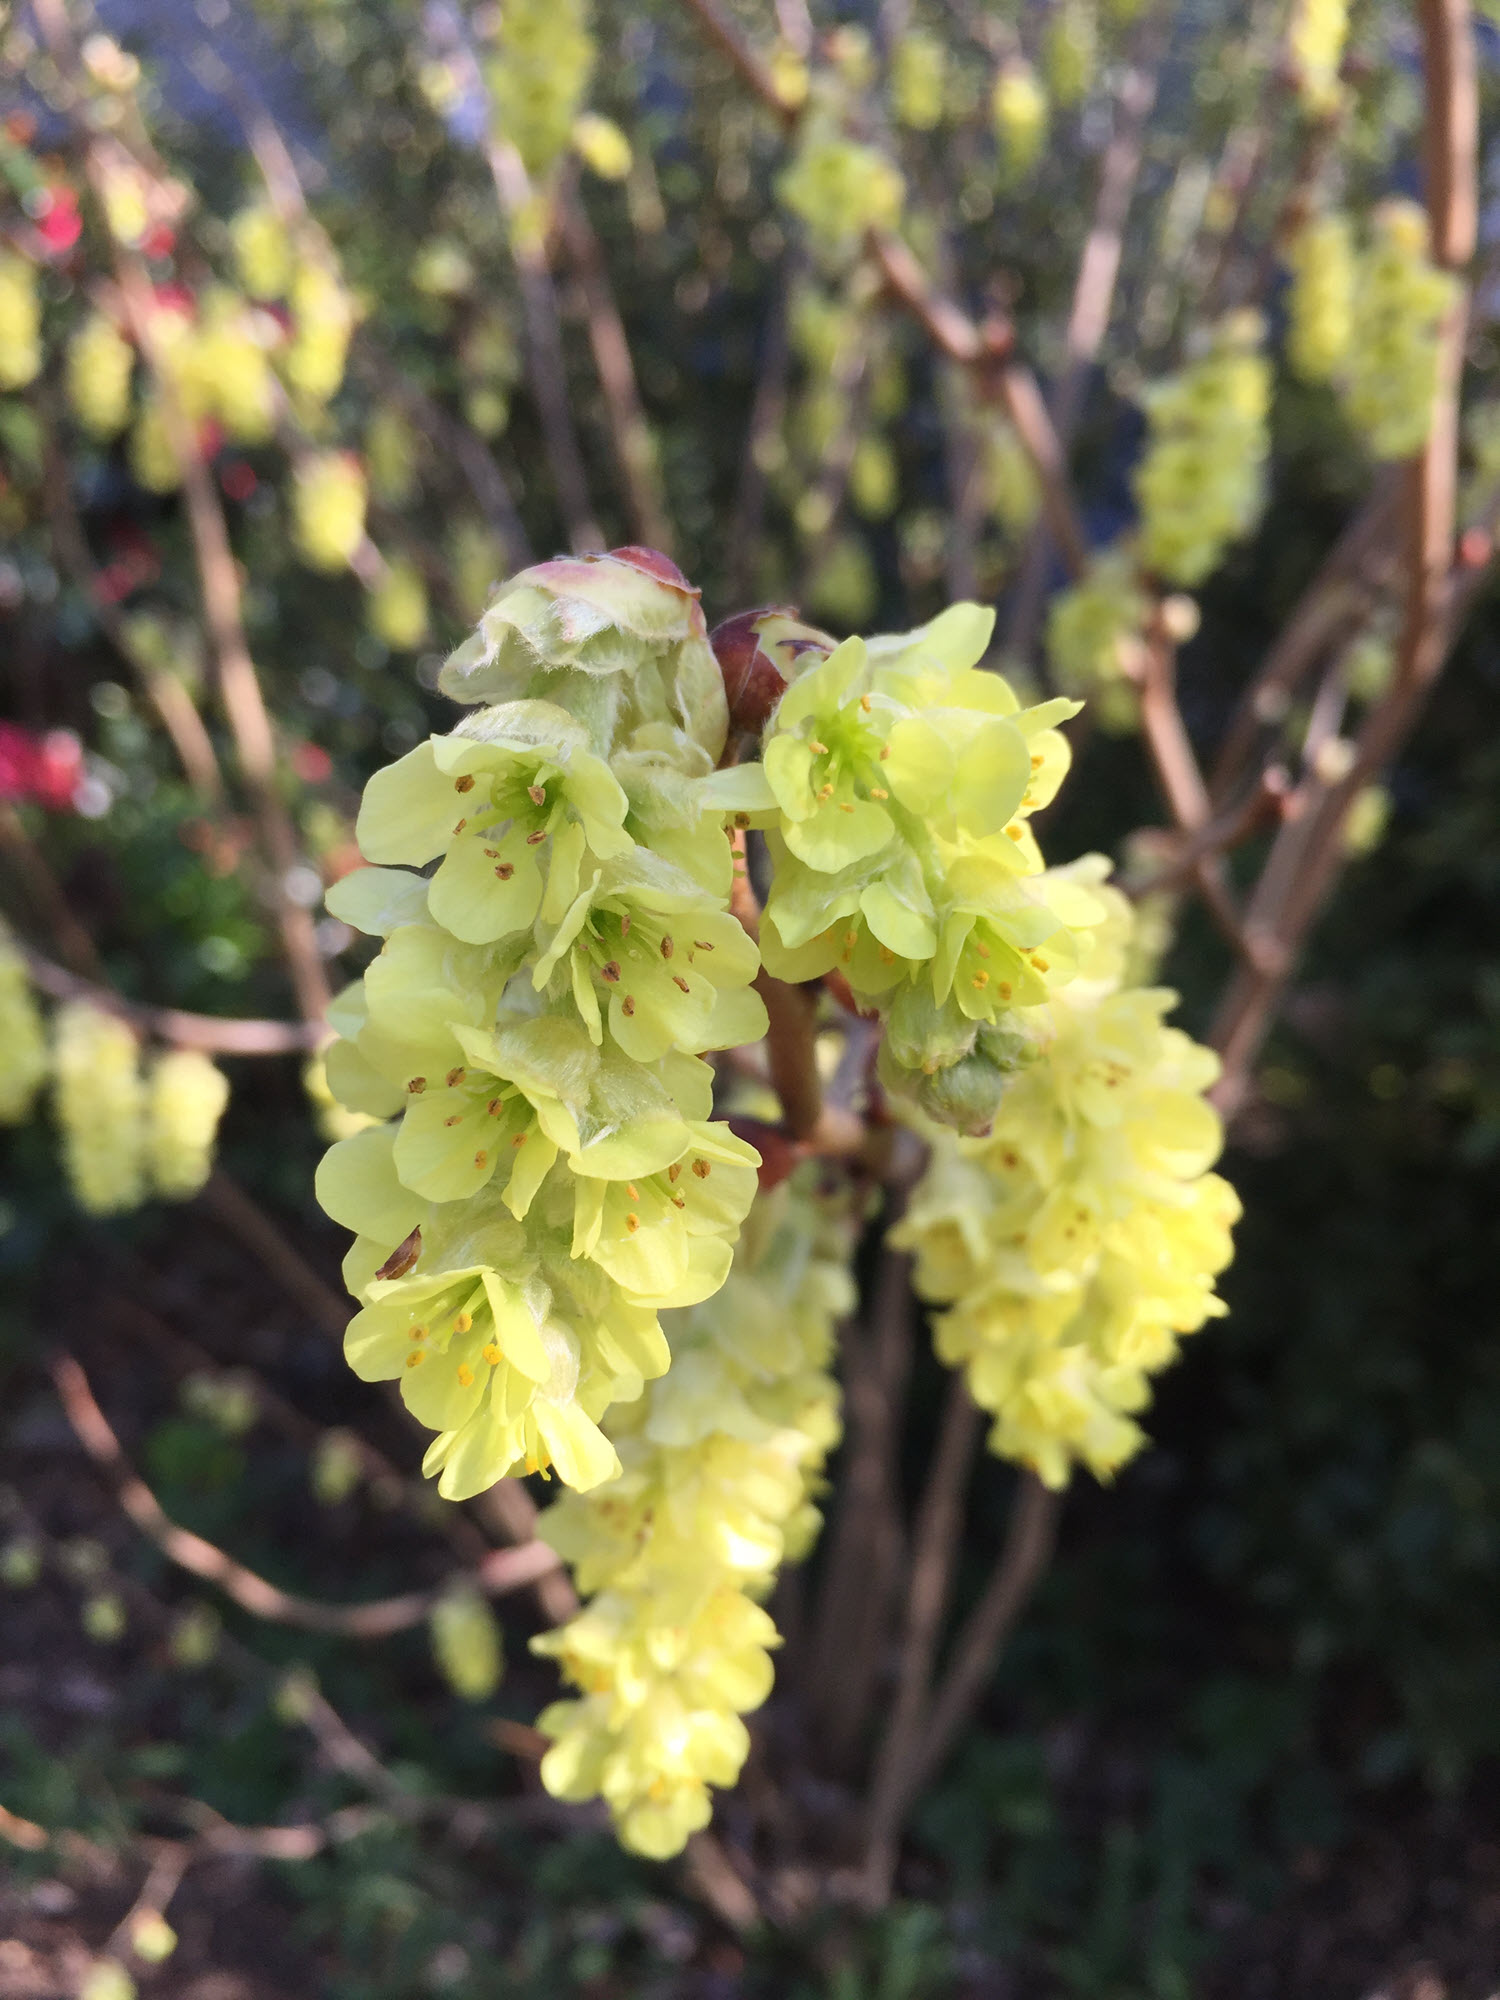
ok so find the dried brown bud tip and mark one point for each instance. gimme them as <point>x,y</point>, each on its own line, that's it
<point>759,652</point>
<point>403,1257</point>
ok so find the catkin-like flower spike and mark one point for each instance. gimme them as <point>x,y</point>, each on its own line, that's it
<point>185,1099</point>
<point>20,322</point>
<point>719,1462</point>
<point>918,80</point>
<point>896,785</point>
<point>99,1104</point>
<point>328,506</point>
<point>538,76</point>
<point>1094,639</point>
<point>467,1644</point>
<point>838,187</point>
<point>1202,483</point>
<point>1075,1244</point>
<point>99,366</point>
<point>1321,260</point>
<point>552,1176</point>
<point>1316,40</point>
<point>23,1039</point>
<point>1400,300</point>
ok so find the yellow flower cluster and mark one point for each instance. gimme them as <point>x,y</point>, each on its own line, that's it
<point>23,1040</point>
<point>538,75</point>
<point>185,1099</point>
<point>20,322</point>
<point>838,187</point>
<point>99,366</point>
<point>323,325</point>
<point>552,1175</point>
<point>328,508</point>
<point>1400,299</point>
<point>398,606</point>
<point>1094,638</point>
<point>99,1105</point>
<point>919,69</point>
<point>466,1644</point>
<point>1072,51</point>
<point>1021,116</point>
<point>1201,484</point>
<point>125,1135</point>
<point>719,1460</point>
<point>1321,259</point>
<point>1318,31</point>
<point>262,251</point>
<point>1075,1245</point>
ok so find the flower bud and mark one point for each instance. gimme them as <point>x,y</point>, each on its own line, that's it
<point>618,639</point>
<point>466,1644</point>
<point>759,653</point>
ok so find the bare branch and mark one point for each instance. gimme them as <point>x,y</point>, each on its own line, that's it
<point>216,1034</point>
<point>500,1572</point>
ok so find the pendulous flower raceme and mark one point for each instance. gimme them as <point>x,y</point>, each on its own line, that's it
<point>1202,483</point>
<point>127,1136</point>
<point>23,1039</point>
<point>1400,299</point>
<point>720,1460</point>
<point>1079,1241</point>
<point>896,786</point>
<point>548,1174</point>
<point>1322,263</point>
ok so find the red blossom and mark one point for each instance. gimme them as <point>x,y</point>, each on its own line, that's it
<point>41,770</point>
<point>58,222</point>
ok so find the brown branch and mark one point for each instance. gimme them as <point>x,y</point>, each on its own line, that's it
<point>45,892</point>
<point>865,1545</point>
<point>1335,597</point>
<point>1029,1540</point>
<point>934,1551</point>
<point>747,65</point>
<point>1093,300</point>
<point>229,1204</point>
<point>767,411</point>
<point>216,1034</point>
<point>635,448</point>
<point>1290,896</point>
<point>544,349</point>
<point>500,1572</point>
<point>1177,773</point>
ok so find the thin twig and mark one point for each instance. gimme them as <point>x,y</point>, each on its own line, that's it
<point>1029,1540</point>
<point>544,349</point>
<point>635,448</point>
<point>218,1034</point>
<point>935,1547</point>
<point>501,1571</point>
<point>45,892</point>
<point>244,1217</point>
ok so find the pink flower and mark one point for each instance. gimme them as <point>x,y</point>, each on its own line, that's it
<point>42,770</point>
<point>58,222</point>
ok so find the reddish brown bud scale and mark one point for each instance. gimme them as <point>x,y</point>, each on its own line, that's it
<point>652,563</point>
<point>759,653</point>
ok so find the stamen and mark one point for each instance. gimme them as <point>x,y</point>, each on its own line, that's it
<point>492,854</point>
<point>461,824</point>
<point>679,1201</point>
<point>1005,989</point>
<point>1014,832</point>
<point>506,870</point>
<point>495,1106</point>
<point>419,1333</point>
<point>610,973</point>
<point>825,792</point>
<point>1037,763</point>
<point>491,1354</point>
<point>456,1119</point>
<point>463,784</point>
<point>818,749</point>
<point>414,1360</point>
<point>627,1005</point>
<point>885,752</point>
<point>667,947</point>
<point>519,1140</point>
<point>680,982</point>
<point>625,925</point>
<point>742,821</point>
<point>879,792</point>
<point>537,794</point>
<point>481,1159</point>
<point>462,1322</point>
<point>702,1169</point>
<point>632,1190</point>
<point>416,1085</point>
<point>864,702</point>
<point>674,1173</point>
<point>980,980</point>
<point>983,950</point>
<point>632,1223</point>
<point>534,839</point>
<point>700,945</point>
<point>845,807</point>
<point>1041,964</point>
<point>465,1375</point>
<point>455,1076</point>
